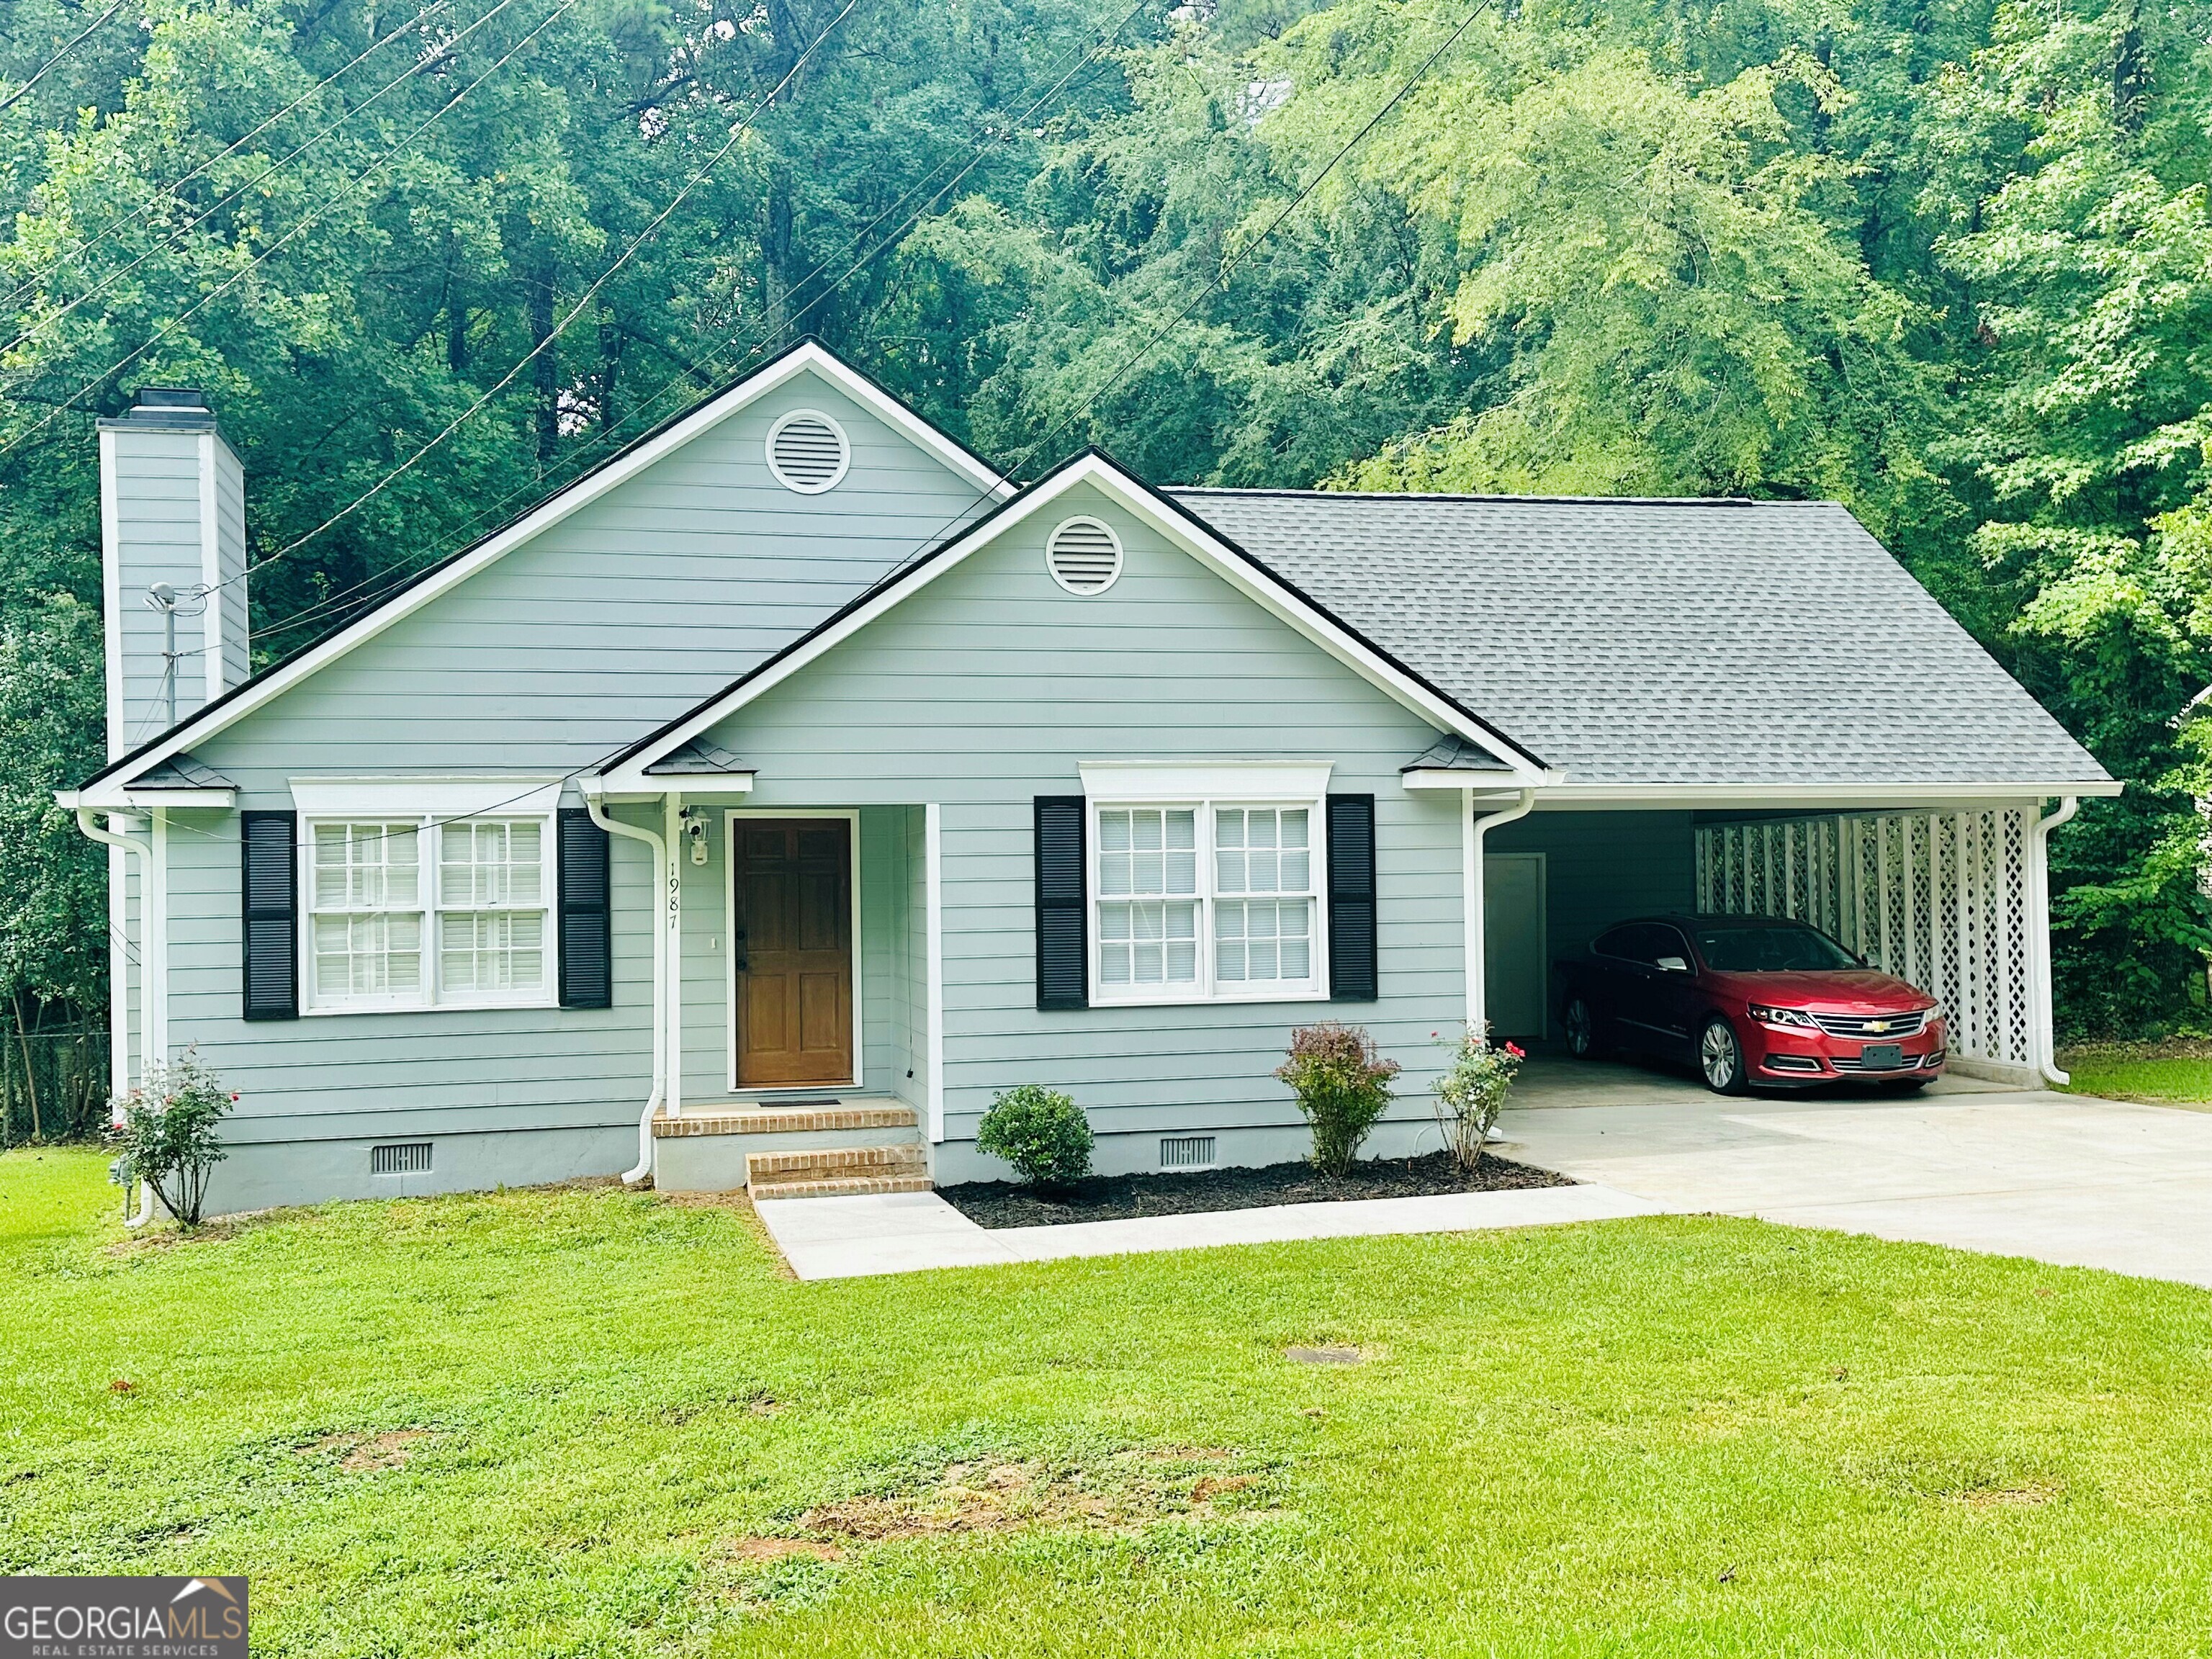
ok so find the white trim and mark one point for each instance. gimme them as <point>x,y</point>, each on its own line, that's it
<point>211,647</point>
<point>431,996</point>
<point>933,859</point>
<point>856,967</point>
<point>1209,550</point>
<point>111,592</point>
<point>807,357</point>
<point>428,797</point>
<point>145,800</point>
<point>671,942</point>
<point>1206,990</point>
<point>790,416</point>
<point>1052,567</point>
<point>1153,782</point>
<point>1869,794</point>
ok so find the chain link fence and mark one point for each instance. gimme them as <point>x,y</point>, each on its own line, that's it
<point>53,1084</point>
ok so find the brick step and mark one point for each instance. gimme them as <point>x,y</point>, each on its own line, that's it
<point>820,1163</point>
<point>840,1187</point>
<point>846,1115</point>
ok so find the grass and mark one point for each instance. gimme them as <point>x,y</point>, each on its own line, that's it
<point>2177,1072</point>
<point>589,1422</point>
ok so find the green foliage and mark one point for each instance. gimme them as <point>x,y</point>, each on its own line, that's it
<point>53,881</point>
<point>1471,1091</point>
<point>586,1421</point>
<point>1040,1132</point>
<point>1342,1085</point>
<point>166,1128</point>
<point>1951,266</point>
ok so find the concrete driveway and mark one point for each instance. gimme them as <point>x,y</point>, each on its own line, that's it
<point>2062,1178</point>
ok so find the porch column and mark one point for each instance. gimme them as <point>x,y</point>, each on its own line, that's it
<point>932,857</point>
<point>672,945</point>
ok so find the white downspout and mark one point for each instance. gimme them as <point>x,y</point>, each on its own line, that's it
<point>673,922</point>
<point>2039,877</point>
<point>616,826</point>
<point>1472,832</point>
<point>121,1026</point>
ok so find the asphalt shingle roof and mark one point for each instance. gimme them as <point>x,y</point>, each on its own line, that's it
<point>1641,641</point>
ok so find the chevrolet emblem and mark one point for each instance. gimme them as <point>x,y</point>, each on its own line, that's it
<point>1877,1025</point>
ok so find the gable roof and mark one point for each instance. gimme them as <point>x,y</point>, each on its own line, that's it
<point>808,355</point>
<point>1651,642</point>
<point>628,769</point>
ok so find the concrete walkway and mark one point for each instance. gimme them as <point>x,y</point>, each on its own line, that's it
<point>2062,1178</point>
<point>906,1232</point>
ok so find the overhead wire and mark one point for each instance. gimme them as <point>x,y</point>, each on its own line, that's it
<point>39,74</point>
<point>575,311</point>
<point>329,603</point>
<point>269,252</point>
<point>279,165</point>
<point>169,190</point>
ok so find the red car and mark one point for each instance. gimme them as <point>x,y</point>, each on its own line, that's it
<point>1748,1000</point>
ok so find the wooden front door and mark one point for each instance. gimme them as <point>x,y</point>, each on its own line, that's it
<point>792,936</point>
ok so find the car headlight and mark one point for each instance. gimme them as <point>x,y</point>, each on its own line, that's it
<point>1793,1018</point>
<point>1929,1016</point>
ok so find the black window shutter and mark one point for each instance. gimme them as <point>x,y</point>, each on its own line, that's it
<point>270,903</point>
<point>1352,974</point>
<point>1063,955</point>
<point>587,979</point>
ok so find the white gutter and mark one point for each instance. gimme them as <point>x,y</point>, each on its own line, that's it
<point>616,826</point>
<point>1472,831</point>
<point>109,838</point>
<point>2038,877</point>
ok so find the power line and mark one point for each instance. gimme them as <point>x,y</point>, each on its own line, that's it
<point>170,189</point>
<point>63,407</point>
<point>328,604</point>
<point>40,73</point>
<point>507,379</point>
<point>277,166</point>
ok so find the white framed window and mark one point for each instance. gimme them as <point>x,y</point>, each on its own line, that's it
<point>1206,901</point>
<point>417,912</point>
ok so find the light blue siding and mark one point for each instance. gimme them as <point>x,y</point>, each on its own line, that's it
<point>605,626</point>
<point>985,690</point>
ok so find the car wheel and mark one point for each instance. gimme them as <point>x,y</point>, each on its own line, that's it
<point>1581,1027</point>
<point>1720,1057</point>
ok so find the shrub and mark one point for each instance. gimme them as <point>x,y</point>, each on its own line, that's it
<point>166,1127</point>
<point>1342,1085</point>
<point>1472,1091</point>
<point>1040,1132</point>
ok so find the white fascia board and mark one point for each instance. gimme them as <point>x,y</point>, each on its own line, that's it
<point>1270,595</point>
<point>1228,780</point>
<point>1863,795</point>
<point>580,495</point>
<point>438,797</point>
<point>1446,777</point>
<point>143,799</point>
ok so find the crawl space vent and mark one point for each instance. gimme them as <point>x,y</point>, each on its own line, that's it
<point>1084,556</point>
<point>1186,1151</point>
<point>407,1157</point>
<point>807,452</point>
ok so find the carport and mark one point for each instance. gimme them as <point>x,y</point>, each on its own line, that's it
<point>1949,894</point>
<point>1744,706</point>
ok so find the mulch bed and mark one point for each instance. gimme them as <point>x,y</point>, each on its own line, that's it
<point>1118,1198</point>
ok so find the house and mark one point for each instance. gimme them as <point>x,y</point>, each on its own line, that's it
<point>760,805</point>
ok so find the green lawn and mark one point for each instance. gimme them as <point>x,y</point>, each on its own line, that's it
<point>608,1426</point>
<point>2177,1073</point>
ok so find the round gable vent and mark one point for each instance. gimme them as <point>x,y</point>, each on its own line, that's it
<point>807,452</point>
<point>1084,556</point>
